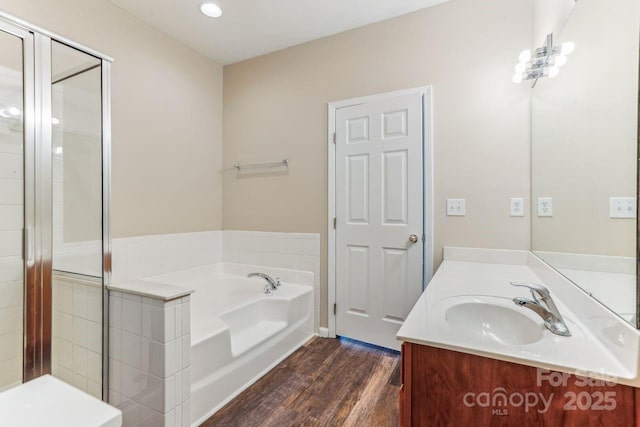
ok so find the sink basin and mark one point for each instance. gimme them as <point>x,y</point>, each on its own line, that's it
<point>491,319</point>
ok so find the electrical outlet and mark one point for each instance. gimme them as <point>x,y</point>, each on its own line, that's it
<point>517,206</point>
<point>456,207</point>
<point>545,206</point>
<point>622,207</point>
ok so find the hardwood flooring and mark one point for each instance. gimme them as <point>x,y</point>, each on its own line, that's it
<point>327,382</point>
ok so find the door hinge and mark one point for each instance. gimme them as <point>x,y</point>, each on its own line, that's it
<point>335,309</point>
<point>335,223</point>
<point>334,137</point>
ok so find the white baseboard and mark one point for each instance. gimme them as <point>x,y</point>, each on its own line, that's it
<point>323,332</point>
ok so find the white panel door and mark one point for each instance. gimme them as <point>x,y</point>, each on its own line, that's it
<point>379,211</point>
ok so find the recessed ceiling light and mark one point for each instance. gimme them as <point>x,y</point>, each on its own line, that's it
<point>211,10</point>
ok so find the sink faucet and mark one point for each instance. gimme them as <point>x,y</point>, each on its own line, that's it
<point>272,284</point>
<point>544,306</point>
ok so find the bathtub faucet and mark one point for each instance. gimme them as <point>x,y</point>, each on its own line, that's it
<point>272,283</point>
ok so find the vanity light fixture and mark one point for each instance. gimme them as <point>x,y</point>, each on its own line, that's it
<point>211,10</point>
<point>544,62</point>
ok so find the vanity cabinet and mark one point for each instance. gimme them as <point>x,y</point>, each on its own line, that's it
<point>447,388</point>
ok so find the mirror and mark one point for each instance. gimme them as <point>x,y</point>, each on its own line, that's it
<point>585,155</point>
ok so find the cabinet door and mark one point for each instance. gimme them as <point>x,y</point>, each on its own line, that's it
<point>447,388</point>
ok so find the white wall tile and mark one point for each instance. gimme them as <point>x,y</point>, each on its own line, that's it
<point>131,413</point>
<point>95,389</point>
<point>186,384</point>
<point>133,381</point>
<point>186,413</point>
<point>94,331</point>
<point>80,332</point>
<point>132,316</point>
<point>170,393</point>
<point>80,360</point>
<point>169,323</point>
<point>186,318</point>
<point>131,349</point>
<point>115,377</point>
<point>94,366</point>
<point>80,301</point>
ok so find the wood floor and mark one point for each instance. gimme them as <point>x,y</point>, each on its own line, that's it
<point>327,382</point>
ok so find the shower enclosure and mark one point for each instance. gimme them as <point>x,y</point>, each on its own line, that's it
<point>54,208</point>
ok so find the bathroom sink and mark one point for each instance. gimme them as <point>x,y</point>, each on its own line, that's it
<point>488,319</point>
<point>493,322</point>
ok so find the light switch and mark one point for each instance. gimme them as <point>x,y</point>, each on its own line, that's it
<point>545,206</point>
<point>517,206</point>
<point>622,207</point>
<point>456,207</point>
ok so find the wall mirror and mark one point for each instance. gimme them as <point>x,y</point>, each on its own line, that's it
<point>585,156</point>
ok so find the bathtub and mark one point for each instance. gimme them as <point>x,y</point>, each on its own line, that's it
<point>237,332</point>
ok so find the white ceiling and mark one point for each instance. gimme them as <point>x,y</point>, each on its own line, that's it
<point>251,28</point>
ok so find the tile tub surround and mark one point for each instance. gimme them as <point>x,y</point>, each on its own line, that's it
<point>146,256</point>
<point>150,356</point>
<point>139,257</point>
<point>76,351</point>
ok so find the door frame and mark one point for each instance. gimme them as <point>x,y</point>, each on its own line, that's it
<point>427,171</point>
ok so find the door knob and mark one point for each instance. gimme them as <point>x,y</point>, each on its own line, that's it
<point>413,238</point>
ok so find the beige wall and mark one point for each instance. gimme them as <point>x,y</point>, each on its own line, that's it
<point>584,133</point>
<point>167,117</point>
<point>276,106</point>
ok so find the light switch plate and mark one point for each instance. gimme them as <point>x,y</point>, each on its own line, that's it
<point>517,206</point>
<point>456,207</point>
<point>622,207</point>
<point>545,206</point>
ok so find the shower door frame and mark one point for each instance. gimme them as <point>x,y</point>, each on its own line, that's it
<point>38,179</point>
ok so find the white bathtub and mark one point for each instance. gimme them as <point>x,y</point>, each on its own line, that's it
<point>237,332</point>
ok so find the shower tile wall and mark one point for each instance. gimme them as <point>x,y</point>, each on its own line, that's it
<point>77,334</point>
<point>11,266</point>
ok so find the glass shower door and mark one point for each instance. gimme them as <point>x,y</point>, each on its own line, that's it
<point>12,208</point>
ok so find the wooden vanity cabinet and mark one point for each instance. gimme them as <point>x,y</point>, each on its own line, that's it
<point>448,388</point>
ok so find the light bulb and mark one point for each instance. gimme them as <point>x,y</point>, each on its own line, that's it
<point>517,78</point>
<point>525,56</point>
<point>55,121</point>
<point>14,111</point>
<point>553,71</point>
<point>521,67</point>
<point>560,61</point>
<point>567,48</point>
<point>211,10</point>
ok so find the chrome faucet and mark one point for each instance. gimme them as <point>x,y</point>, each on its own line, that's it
<point>272,284</point>
<point>544,306</point>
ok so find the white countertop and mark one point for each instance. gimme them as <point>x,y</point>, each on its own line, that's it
<point>601,345</point>
<point>47,401</point>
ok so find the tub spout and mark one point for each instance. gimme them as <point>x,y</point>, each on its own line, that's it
<point>273,283</point>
